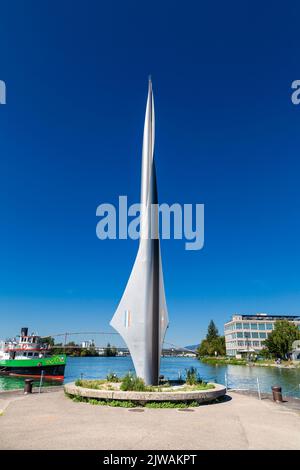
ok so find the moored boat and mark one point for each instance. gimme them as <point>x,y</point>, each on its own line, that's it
<point>29,357</point>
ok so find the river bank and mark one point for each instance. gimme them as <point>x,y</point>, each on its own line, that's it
<point>235,376</point>
<point>239,422</point>
<point>244,362</point>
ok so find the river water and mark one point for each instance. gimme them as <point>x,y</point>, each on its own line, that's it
<point>241,377</point>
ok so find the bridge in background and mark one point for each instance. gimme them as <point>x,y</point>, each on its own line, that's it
<point>168,349</point>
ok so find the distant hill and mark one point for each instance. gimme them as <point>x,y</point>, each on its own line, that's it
<point>192,347</point>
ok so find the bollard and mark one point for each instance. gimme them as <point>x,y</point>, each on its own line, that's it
<point>277,395</point>
<point>41,381</point>
<point>28,386</point>
<point>258,388</point>
<point>161,379</point>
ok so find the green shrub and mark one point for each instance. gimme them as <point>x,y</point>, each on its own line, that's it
<point>112,377</point>
<point>132,383</point>
<point>131,404</point>
<point>77,398</point>
<point>192,376</point>
<point>101,402</point>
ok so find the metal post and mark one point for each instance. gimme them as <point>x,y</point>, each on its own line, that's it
<point>258,389</point>
<point>41,381</point>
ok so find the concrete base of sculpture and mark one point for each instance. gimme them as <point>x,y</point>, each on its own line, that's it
<point>200,396</point>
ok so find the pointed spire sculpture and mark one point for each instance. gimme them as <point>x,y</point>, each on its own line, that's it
<point>141,317</point>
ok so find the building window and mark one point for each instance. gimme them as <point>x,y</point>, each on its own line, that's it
<point>239,334</point>
<point>261,326</point>
<point>240,343</point>
<point>231,352</point>
<point>253,326</point>
<point>254,335</point>
<point>246,334</point>
<point>255,344</point>
<point>238,326</point>
<point>30,354</point>
<point>262,335</point>
<point>246,326</point>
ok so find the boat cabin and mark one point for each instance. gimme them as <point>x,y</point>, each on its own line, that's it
<point>27,347</point>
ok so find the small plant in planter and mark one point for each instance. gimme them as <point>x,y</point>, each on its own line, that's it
<point>132,383</point>
<point>112,377</point>
<point>192,376</point>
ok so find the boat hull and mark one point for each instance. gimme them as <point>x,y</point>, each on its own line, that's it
<point>52,368</point>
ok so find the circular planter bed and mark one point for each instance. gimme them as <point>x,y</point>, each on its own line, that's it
<point>172,395</point>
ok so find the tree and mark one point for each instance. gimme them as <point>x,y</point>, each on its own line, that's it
<point>280,340</point>
<point>72,349</point>
<point>58,349</point>
<point>212,331</point>
<point>48,340</point>
<point>213,344</point>
<point>110,351</point>
<point>92,351</point>
<point>218,346</point>
<point>203,349</point>
<point>210,348</point>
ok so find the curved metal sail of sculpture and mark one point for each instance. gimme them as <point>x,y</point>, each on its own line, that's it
<point>141,317</point>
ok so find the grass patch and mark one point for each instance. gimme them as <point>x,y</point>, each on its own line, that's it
<point>132,383</point>
<point>131,404</point>
<point>195,387</point>
<point>127,383</point>
<point>94,384</point>
<point>137,385</point>
<point>223,361</point>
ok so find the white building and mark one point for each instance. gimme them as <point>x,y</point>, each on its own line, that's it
<point>245,334</point>
<point>88,344</point>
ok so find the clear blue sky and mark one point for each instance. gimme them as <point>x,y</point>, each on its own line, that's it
<point>227,135</point>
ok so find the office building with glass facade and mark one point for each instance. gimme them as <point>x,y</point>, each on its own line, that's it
<point>245,334</point>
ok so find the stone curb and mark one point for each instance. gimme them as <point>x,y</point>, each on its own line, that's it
<point>200,396</point>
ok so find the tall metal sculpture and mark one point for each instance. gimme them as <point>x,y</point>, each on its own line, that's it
<point>142,317</point>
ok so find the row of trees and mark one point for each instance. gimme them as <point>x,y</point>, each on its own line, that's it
<point>277,345</point>
<point>74,350</point>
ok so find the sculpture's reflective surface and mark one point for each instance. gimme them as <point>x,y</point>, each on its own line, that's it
<point>141,317</point>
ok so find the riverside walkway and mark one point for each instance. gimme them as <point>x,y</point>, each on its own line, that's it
<point>56,422</point>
